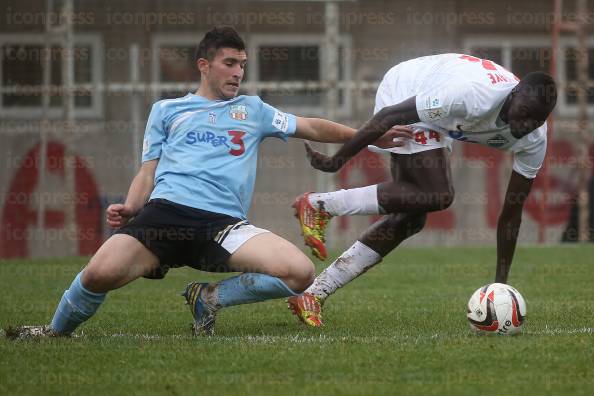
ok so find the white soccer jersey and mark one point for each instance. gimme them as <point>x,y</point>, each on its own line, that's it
<point>459,97</point>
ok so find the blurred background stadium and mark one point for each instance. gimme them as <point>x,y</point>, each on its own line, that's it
<point>77,79</point>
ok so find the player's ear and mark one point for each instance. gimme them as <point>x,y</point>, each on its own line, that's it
<point>203,65</point>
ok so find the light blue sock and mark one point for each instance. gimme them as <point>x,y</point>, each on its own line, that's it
<point>251,287</point>
<point>76,306</point>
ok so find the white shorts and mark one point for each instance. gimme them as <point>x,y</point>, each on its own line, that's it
<point>424,139</point>
<point>235,235</point>
<point>399,84</point>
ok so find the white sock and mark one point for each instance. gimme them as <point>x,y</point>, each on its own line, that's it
<point>354,201</point>
<point>352,263</point>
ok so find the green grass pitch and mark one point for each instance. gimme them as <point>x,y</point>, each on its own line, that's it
<point>400,329</point>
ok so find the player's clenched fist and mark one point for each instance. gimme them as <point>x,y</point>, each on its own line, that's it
<point>118,215</point>
<point>395,137</point>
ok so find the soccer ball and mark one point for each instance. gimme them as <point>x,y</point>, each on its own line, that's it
<point>496,308</point>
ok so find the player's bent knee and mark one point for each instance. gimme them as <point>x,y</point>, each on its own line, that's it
<point>99,277</point>
<point>417,223</point>
<point>301,282</point>
<point>94,280</point>
<point>441,199</point>
<point>301,275</point>
<point>447,198</point>
<point>306,278</point>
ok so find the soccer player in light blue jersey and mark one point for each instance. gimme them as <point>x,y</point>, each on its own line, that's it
<point>188,203</point>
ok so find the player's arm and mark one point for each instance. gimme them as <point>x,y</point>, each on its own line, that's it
<point>325,131</point>
<point>508,226</point>
<point>140,190</point>
<point>403,113</point>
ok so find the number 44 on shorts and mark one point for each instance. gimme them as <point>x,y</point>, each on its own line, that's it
<point>421,137</point>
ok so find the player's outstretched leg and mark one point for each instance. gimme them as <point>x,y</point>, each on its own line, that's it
<point>273,268</point>
<point>421,183</point>
<point>381,238</point>
<point>205,299</point>
<point>120,260</point>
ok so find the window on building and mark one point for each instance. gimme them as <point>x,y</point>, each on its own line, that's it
<point>176,65</point>
<point>21,80</point>
<point>490,53</point>
<point>528,59</point>
<point>571,75</point>
<point>299,59</point>
<point>290,63</point>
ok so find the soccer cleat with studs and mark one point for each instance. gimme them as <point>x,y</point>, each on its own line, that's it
<point>30,332</point>
<point>308,309</point>
<point>204,314</point>
<point>313,222</point>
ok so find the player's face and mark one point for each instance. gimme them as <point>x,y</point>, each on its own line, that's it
<point>523,126</point>
<point>225,72</point>
<point>522,120</point>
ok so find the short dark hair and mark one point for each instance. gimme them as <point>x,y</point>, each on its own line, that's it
<point>216,38</point>
<point>540,88</point>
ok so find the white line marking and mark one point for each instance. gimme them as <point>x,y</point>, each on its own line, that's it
<point>323,339</point>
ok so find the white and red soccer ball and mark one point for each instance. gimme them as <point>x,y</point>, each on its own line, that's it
<point>496,308</point>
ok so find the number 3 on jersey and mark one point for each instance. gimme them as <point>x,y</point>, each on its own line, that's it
<point>238,141</point>
<point>421,136</point>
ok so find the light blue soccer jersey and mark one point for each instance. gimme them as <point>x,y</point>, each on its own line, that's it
<point>208,150</point>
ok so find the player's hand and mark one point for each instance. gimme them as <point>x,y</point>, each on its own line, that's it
<point>118,215</point>
<point>402,133</point>
<point>321,161</point>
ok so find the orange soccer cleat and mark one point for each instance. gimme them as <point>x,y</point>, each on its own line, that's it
<point>307,308</point>
<point>313,222</point>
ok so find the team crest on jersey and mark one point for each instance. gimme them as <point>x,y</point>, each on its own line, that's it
<point>497,141</point>
<point>238,112</point>
<point>432,102</point>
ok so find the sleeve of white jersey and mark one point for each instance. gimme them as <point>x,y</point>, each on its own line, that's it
<point>383,97</point>
<point>440,105</point>
<point>529,153</point>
